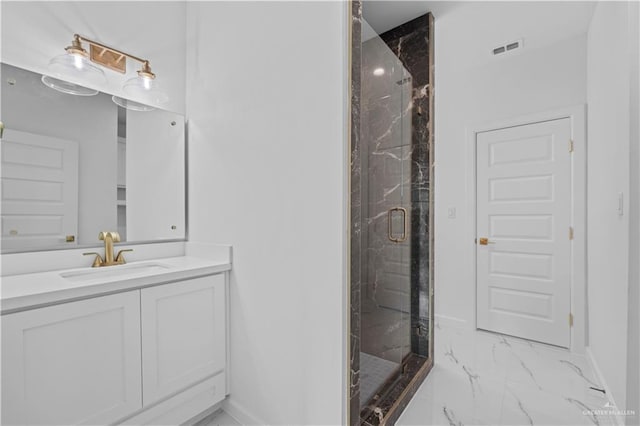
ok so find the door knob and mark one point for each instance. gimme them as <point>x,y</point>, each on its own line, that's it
<point>484,241</point>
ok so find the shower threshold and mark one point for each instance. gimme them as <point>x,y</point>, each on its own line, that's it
<point>385,408</point>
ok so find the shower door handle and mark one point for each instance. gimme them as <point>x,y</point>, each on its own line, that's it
<point>405,228</point>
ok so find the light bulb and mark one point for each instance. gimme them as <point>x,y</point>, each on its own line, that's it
<point>378,72</point>
<point>146,90</point>
<point>146,83</point>
<point>78,61</point>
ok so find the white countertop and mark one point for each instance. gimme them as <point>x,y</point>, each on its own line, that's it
<point>28,291</point>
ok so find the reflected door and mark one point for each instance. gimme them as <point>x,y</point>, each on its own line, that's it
<point>39,191</point>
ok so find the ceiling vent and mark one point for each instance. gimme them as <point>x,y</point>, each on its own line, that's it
<point>509,47</point>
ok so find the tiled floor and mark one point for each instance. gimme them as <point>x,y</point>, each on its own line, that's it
<point>219,418</point>
<point>481,378</point>
<point>373,373</point>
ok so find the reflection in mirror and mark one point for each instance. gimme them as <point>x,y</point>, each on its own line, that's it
<point>73,166</point>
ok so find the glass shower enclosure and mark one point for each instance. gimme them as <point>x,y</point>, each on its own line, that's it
<point>389,263</point>
<point>386,209</point>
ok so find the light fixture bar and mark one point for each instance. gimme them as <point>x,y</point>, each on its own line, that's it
<point>110,57</point>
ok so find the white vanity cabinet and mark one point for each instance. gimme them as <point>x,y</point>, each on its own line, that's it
<point>73,363</point>
<point>155,354</point>
<point>183,335</point>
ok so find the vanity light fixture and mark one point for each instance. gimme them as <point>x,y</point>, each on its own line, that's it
<point>78,64</point>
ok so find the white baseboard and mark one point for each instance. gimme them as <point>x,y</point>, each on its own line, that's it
<point>594,365</point>
<point>213,409</point>
<point>240,413</point>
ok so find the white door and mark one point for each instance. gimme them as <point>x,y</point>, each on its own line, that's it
<point>39,191</point>
<point>523,231</point>
<point>74,363</point>
<point>183,335</point>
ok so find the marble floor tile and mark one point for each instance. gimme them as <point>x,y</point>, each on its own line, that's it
<point>483,378</point>
<point>448,397</point>
<point>219,418</point>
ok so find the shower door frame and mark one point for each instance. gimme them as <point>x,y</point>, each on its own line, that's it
<point>402,391</point>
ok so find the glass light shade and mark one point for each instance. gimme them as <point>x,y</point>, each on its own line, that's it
<point>146,90</point>
<point>131,105</point>
<point>77,68</point>
<point>67,87</point>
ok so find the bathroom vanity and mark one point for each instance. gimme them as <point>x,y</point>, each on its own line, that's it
<point>140,343</point>
<point>140,337</point>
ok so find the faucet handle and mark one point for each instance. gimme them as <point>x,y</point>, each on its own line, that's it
<point>97,261</point>
<point>120,256</point>
<point>115,237</point>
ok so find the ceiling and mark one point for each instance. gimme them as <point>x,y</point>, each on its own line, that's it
<point>485,24</point>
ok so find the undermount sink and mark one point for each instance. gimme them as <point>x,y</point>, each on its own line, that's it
<point>113,271</point>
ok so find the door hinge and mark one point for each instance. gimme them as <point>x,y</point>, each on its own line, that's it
<point>571,232</point>
<point>570,319</point>
<point>570,145</point>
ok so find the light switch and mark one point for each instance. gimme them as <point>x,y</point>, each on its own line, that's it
<point>620,204</point>
<point>451,212</point>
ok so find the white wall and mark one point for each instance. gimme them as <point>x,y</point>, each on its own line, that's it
<point>633,333</point>
<point>608,175</point>
<point>35,32</point>
<point>265,100</point>
<point>473,88</point>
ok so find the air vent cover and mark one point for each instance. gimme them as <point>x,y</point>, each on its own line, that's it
<point>508,47</point>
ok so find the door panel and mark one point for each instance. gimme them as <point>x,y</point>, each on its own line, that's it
<point>524,210</point>
<point>39,191</point>
<point>183,334</point>
<point>74,363</point>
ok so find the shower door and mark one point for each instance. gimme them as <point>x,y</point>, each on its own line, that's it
<point>386,220</point>
<point>390,245</point>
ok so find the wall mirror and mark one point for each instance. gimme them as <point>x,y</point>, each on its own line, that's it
<point>72,166</point>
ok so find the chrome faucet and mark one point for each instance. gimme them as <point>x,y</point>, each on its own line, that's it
<point>109,237</point>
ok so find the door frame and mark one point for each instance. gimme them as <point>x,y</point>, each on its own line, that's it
<point>578,286</point>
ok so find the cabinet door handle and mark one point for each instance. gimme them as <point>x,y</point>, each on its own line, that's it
<point>405,228</point>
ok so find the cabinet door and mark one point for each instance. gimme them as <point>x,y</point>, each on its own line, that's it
<point>183,335</point>
<point>74,363</point>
